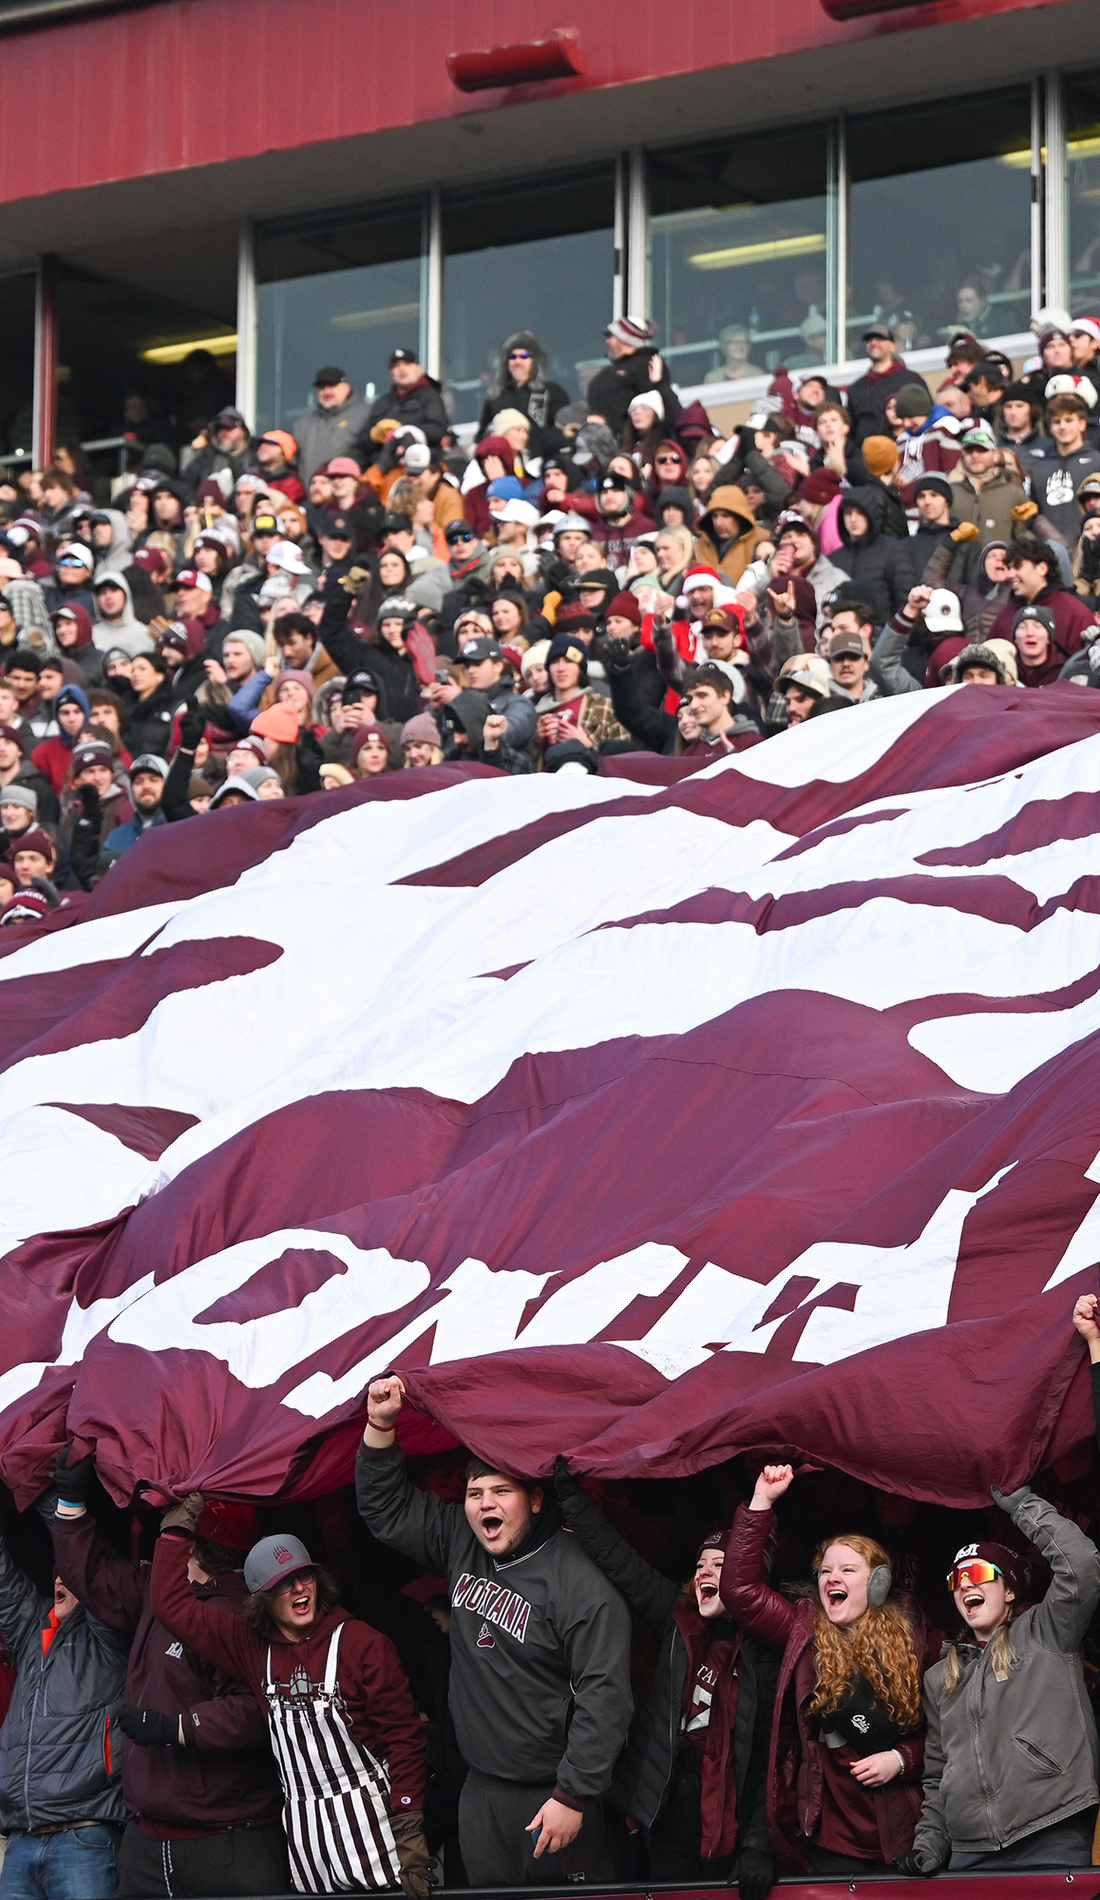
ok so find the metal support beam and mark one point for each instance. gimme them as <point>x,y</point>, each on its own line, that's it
<point>45,361</point>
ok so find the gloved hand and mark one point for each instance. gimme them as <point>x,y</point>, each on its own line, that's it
<point>966,531</point>
<point>1010,1500</point>
<point>418,1870</point>
<point>73,1476</point>
<point>566,1482</point>
<point>754,1873</point>
<point>184,1515</point>
<point>1025,511</point>
<point>89,799</point>
<point>921,1862</point>
<point>619,652</point>
<point>148,1727</point>
<point>354,579</point>
<point>421,648</point>
<point>192,727</point>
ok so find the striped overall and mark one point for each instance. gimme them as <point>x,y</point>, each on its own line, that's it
<point>337,1825</point>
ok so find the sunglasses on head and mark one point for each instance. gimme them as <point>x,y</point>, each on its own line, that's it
<point>966,1576</point>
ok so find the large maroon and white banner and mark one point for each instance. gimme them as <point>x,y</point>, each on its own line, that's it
<point>645,1123</point>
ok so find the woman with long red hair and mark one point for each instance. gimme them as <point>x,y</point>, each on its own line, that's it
<point>847,1743</point>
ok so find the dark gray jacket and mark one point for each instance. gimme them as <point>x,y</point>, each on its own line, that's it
<point>60,1748</point>
<point>322,434</point>
<point>644,1773</point>
<point>1005,1758</point>
<point>540,1677</point>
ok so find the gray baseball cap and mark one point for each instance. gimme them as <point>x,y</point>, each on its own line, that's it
<point>273,1559</point>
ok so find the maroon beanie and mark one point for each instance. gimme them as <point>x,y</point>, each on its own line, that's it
<point>34,840</point>
<point>820,487</point>
<point>627,608</point>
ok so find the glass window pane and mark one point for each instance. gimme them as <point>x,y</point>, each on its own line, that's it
<point>1083,190</point>
<point>738,265</point>
<point>122,363</point>
<point>944,244</point>
<point>339,287</point>
<point>17,298</point>
<point>532,254</point>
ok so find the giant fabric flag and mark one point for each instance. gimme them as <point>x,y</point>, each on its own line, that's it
<point>645,1122</point>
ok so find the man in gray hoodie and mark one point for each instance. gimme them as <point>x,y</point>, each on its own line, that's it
<point>116,624</point>
<point>540,1682</point>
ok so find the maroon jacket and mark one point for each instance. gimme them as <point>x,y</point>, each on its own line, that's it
<point>225,1776</point>
<point>1073,620</point>
<point>370,1678</point>
<point>794,1755</point>
<point>618,537</point>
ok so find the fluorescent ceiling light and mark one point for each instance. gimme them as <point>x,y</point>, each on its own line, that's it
<point>1075,149</point>
<point>373,319</point>
<point>175,352</point>
<point>740,254</point>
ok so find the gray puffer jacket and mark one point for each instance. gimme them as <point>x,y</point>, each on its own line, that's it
<point>60,1749</point>
<point>1003,1759</point>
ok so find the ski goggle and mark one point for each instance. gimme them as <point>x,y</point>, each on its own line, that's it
<point>965,1576</point>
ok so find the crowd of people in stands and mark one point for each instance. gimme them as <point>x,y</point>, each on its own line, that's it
<point>490,1680</point>
<point>290,613</point>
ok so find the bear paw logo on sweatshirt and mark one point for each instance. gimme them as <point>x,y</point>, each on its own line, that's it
<point>485,1638</point>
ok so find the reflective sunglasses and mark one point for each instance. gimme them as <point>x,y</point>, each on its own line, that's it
<point>966,1576</point>
<point>524,355</point>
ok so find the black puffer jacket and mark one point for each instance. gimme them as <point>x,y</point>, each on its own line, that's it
<point>882,566</point>
<point>643,1776</point>
<point>60,1748</point>
<point>148,725</point>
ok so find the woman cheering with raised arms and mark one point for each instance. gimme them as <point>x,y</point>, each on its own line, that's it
<point>847,1745</point>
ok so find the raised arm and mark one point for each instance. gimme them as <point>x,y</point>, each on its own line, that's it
<point>412,1521</point>
<point>652,1596</point>
<point>1066,1611</point>
<point>108,1585</point>
<point>1085,1319</point>
<point>22,1608</point>
<point>743,1587</point>
<point>222,1639</point>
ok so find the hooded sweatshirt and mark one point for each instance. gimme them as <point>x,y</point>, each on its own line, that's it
<point>116,555</point>
<point>732,557</point>
<point>540,1641</point>
<point>128,632</point>
<point>54,756</point>
<point>881,565</point>
<point>84,655</point>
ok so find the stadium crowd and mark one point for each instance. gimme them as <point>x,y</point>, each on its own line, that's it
<point>471,1677</point>
<point>284,614</point>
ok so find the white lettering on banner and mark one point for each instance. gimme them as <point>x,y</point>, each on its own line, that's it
<point>483,1310</point>
<point>260,1351</point>
<point>82,1323</point>
<point>898,1291</point>
<point>1083,1249</point>
<point>493,1602</point>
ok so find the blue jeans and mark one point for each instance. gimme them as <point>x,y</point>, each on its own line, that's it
<point>79,1864</point>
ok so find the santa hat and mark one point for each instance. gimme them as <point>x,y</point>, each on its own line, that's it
<point>699,576</point>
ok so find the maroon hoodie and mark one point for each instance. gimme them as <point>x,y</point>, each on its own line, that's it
<point>1073,620</point>
<point>225,1775</point>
